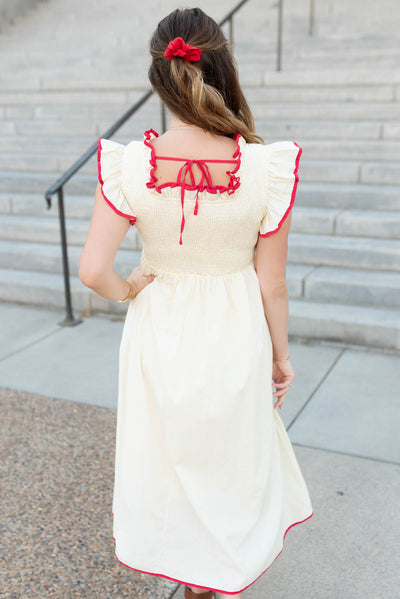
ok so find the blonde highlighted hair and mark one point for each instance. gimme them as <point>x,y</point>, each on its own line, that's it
<point>205,93</point>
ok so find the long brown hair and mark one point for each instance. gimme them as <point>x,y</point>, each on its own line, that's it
<point>205,93</point>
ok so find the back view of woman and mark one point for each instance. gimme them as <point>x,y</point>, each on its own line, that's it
<point>206,480</point>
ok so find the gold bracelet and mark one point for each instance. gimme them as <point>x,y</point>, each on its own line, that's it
<point>130,294</point>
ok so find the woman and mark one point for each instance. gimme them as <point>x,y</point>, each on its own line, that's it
<point>206,480</point>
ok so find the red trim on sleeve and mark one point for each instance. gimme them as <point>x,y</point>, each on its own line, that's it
<point>218,590</point>
<point>132,219</point>
<point>296,179</point>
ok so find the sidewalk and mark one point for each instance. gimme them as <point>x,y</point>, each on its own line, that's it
<point>58,394</point>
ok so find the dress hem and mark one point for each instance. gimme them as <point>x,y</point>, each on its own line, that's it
<point>213,589</point>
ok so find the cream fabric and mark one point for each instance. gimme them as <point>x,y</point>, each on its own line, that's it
<point>206,479</point>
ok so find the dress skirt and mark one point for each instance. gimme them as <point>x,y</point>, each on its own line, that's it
<point>206,480</point>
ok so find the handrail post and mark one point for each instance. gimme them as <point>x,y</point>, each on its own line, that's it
<point>279,37</point>
<point>69,320</point>
<point>312,18</point>
<point>231,31</point>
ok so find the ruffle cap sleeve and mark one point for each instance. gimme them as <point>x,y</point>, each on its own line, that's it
<point>280,184</point>
<point>110,156</point>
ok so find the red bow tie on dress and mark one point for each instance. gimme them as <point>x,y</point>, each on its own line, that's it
<point>185,170</point>
<point>178,47</point>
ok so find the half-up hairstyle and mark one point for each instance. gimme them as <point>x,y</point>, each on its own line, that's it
<point>205,93</point>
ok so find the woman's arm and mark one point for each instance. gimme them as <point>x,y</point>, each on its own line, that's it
<point>106,232</point>
<point>270,264</point>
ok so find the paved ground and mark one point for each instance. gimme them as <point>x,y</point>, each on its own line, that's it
<point>58,399</point>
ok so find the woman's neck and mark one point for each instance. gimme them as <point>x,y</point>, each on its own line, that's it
<point>176,122</point>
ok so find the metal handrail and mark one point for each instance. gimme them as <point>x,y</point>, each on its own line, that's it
<point>57,187</point>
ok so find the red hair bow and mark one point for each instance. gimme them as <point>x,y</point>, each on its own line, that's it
<point>178,47</point>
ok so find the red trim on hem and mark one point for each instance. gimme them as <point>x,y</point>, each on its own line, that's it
<point>132,219</point>
<point>296,179</point>
<point>234,181</point>
<point>212,589</point>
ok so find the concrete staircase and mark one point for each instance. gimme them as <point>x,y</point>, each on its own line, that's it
<point>72,68</point>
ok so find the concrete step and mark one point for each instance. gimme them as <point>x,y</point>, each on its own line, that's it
<point>350,171</point>
<point>332,60</point>
<point>312,170</point>
<point>25,154</point>
<point>372,42</point>
<point>361,325</point>
<point>349,93</point>
<point>347,222</point>
<point>324,130</point>
<point>70,98</point>
<point>260,100</point>
<point>47,289</point>
<point>270,131</point>
<point>34,204</point>
<point>275,92</point>
<point>86,78</point>
<point>34,128</point>
<point>81,79</point>
<point>318,171</point>
<point>342,195</point>
<point>366,326</point>
<point>348,252</point>
<point>286,109</point>
<point>92,111</point>
<point>46,257</point>
<point>74,146</point>
<point>339,76</point>
<point>59,111</point>
<point>362,111</point>
<point>353,286</point>
<point>40,229</point>
<point>334,198</point>
<point>350,286</point>
<point>71,78</point>
<point>358,49</point>
<point>343,284</point>
<point>365,150</point>
<point>306,219</point>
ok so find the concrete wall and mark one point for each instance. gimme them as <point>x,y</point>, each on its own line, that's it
<point>9,9</point>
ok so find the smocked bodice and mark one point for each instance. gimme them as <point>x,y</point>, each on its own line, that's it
<point>200,228</point>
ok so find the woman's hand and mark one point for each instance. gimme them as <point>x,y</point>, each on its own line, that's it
<point>282,376</point>
<point>139,280</point>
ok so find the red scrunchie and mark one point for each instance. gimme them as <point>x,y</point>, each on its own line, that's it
<point>178,47</point>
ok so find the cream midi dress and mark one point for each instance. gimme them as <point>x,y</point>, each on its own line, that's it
<point>206,480</point>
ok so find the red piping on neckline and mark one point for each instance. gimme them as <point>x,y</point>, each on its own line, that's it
<point>186,169</point>
<point>234,182</point>
<point>296,179</point>
<point>132,219</point>
<point>186,160</point>
<point>219,590</point>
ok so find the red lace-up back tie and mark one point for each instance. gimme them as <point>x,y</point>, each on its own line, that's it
<point>187,170</point>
